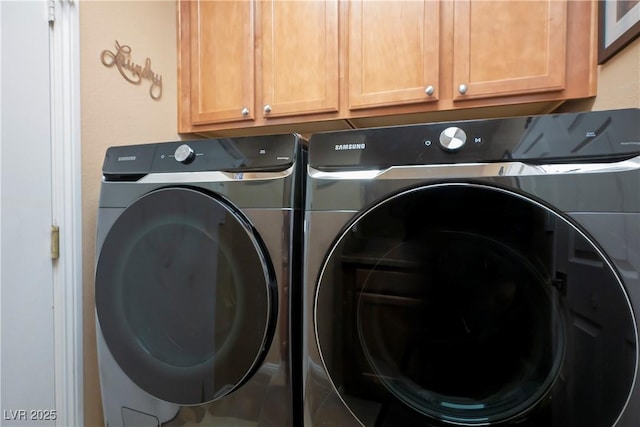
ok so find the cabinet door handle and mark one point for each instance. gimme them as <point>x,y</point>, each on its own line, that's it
<point>267,109</point>
<point>245,111</point>
<point>463,88</point>
<point>429,90</point>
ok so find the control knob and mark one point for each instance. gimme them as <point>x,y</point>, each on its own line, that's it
<point>184,154</point>
<point>452,138</point>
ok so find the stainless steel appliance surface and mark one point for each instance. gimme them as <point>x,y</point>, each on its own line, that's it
<point>476,273</point>
<point>198,266</point>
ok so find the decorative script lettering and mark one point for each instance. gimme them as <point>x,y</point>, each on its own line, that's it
<point>132,72</point>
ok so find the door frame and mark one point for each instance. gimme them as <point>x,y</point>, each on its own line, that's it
<point>64,69</point>
<point>65,192</point>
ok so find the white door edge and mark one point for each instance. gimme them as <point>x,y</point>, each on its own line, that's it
<point>67,211</point>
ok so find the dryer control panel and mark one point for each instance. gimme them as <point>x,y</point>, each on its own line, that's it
<point>555,138</point>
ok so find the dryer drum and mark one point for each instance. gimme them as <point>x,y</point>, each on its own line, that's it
<point>469,304</point>
<point>484,326</point>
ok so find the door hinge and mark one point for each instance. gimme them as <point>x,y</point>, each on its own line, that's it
<point>52,11</point>
<point>55,242</point>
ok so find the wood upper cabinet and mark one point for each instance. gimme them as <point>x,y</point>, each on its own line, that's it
<point>508,47</point>
<point>250,66</point>
<point>393,52</point>
<point>494,49</point>
<point>299,72</point>
<point>251,61</point>
<point>220,43</point>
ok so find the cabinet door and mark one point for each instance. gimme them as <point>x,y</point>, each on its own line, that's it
<point>300,73</point>
<point>222,61</point>
<point>393,52</point>
<point>508,47</point>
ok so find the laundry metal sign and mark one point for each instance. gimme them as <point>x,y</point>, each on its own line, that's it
<point>132,72</point>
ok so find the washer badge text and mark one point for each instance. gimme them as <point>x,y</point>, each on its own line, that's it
<point>340,147</point>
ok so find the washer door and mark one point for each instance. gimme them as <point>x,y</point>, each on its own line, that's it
<point>185,295</point>
<point>467,304</point>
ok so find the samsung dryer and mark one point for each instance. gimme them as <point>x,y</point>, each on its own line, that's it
<point>198,260</point>
<point>476,273</point>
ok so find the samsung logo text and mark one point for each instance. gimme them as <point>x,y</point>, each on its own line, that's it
<point>340,147</point>
<point>126,158</point>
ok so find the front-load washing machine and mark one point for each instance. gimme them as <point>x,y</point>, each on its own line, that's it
<point>198,261</point>
<point>476,273</point>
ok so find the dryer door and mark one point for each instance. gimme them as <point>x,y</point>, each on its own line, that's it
<point>185,295</point>
<point>467,304</point>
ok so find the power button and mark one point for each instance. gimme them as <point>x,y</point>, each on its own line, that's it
<point>452,138</point>
<point>184,154</point>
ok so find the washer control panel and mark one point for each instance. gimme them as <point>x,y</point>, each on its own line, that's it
<point>242,154</point>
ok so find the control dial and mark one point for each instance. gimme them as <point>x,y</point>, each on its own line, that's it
<point>452,138</point>
<point>184,154</point>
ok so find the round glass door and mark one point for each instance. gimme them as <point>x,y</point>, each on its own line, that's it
<point>184,295</point>
<point>464,304</point>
